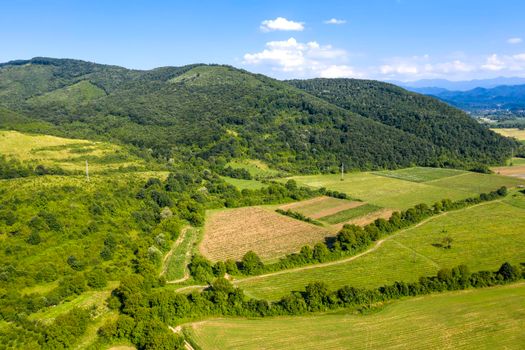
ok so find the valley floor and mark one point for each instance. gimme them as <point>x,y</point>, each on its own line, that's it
<point>473,319</point>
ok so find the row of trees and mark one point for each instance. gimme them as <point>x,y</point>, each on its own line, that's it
<point>139,304</point>
<point>350,240</point>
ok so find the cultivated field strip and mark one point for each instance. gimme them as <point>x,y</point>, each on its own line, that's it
<point>483,237</point>
<point>396,193</point>
<point>229,234</point>
<point>319,207</point>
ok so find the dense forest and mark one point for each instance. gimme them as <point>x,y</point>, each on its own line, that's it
<point>220,112</point>
<point>453,132</point>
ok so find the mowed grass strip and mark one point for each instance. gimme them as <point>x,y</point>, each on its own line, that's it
<point>349,214</point>
<point>511,132</point>
<point>180,257</point>
<point>483,237</point>
<point>477,183</point>
<point>400,194</point>
<point>242,184</point>
<point>492,318</point>
<point>318,207</point>
<point>229,234</point>
<point>420,174</point>
<point>389,263</point>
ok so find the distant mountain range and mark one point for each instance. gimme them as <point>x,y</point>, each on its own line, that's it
<point>486,95</point>
<point>511,98</point>
<point>430,86</point>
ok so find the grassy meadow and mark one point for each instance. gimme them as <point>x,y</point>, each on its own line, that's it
<point>67,154</point>
<point>483,237</point>
<point>472,319</point>
<point>399,190</point>
<point>518,134</point>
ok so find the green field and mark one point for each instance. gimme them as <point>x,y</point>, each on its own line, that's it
<point>67,154</point>
<point>389,192</point>
<point>518,134</point>
<point>484,237</point>
<point>419,174</point>
<point>492,318</point>
<point>242,184</point>
<point>350,214</point>
<point>256,168</point>
<point>313,207</point>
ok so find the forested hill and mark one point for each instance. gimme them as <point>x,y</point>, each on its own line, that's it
<point>457,134</point>
<point>219,112</point>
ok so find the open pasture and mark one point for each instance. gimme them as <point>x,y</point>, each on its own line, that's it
<point>242,184</point>
<point>68,154</point>
<point>420,174</point>
<point>231,233</point>
<point>323,206</point>
<point>491,318</point>
<point>483,237</point>
<point>255,167</point>
<point>389,263</point>
<point>516,168</point>
<point>511,132</point>
<point>395,193</point>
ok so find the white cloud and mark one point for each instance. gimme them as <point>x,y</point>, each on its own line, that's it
<point>416,67</point>
<point>514,41</point>
<point>281,23</point>
<point>335,21</point>
<point>493,63</point>
<point>293,58</point>
<point>339,71</point>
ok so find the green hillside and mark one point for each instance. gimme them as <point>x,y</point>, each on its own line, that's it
<point>218,113</point>
<point>453,131</point>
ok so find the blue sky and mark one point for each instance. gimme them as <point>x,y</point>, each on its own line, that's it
<point>380,39</point>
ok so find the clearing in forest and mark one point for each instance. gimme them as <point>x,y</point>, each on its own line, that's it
<point>229,234</point>
<point>490,318</point>
<point>511,132</point>
<point>67,154</point>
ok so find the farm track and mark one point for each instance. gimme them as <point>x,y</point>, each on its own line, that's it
<point>354,257</point>
<point>376,246</point>
<point>167,257</point>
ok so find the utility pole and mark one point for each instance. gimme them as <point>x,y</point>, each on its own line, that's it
<point>87,171</point>
<point>342,171</point>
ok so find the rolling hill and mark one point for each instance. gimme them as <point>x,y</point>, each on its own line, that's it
<point>505,97</point>
<point>454,133</point>
<point>219,112</point>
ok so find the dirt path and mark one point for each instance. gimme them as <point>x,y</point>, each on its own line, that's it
<point>178,330</point>
<point>354,257</point>
<point>170,253</point>
<point>165,261</point>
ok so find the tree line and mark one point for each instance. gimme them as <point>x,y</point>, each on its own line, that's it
<point>350,240</point>
<point>143,306</point>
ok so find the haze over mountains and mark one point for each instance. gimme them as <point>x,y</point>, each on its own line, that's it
<point>425,85</point>
<point>220,112</point>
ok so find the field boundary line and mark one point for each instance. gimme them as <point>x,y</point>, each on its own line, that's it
<point>354,257</point>
<point>417,253</point>
<point>448,177</point>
